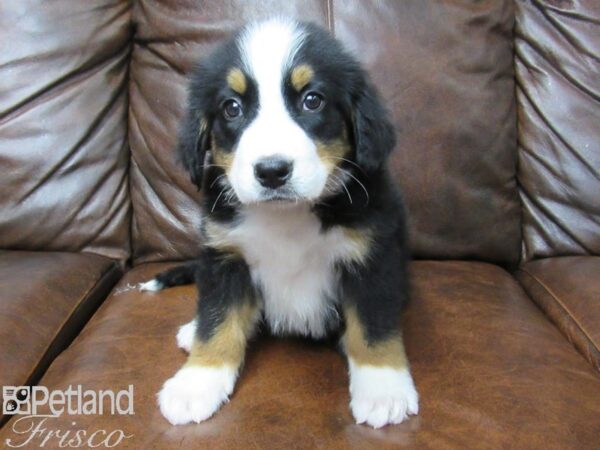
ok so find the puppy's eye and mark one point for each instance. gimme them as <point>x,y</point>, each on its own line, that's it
<point>232,109</point>
<point>312,102</point>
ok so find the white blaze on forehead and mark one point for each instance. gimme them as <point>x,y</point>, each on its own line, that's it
<point>268,49</point>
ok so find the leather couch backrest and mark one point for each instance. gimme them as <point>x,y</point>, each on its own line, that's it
<point>63,126</point>
<point>445,69</point>
<point>557,50</point>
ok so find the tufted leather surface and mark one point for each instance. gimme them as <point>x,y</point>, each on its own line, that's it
<point>63,106</point>
<point>45,299</point>
<point>568,290</point>
<point>451,97</point>
<point>484,359</point>
<point>557,66</point>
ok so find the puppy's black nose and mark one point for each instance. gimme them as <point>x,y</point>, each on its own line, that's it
<point>273,172</point>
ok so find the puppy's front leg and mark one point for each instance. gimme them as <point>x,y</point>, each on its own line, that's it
<point>227,316</point>
<point>381,387</point>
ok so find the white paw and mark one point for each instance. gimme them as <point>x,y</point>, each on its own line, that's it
<point>185,336</point>
<point>381,395</point>
<point>194,394</point>
<point>153,285</point>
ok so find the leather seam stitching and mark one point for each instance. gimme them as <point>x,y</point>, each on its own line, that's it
<point>103,277</point>
<point>562,306</point>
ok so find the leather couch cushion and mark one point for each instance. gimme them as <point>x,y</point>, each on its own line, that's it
<point>452,99</point>
<point>490,368</point>
<point>557,67</point>
<point>45,299</point>
<point>63,126</point>
<point>568,290</point>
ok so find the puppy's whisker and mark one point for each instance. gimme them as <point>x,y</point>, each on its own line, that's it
<point>220,166</point>
<point>217,199</point>
<point>346,160</point>
<point>358,181</point>
<point>341,182</point>
<point>230,197</point>
<point>216,179</point>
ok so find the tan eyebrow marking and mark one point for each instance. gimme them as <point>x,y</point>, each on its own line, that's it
<point>301,76</point>
<point>237,80</point>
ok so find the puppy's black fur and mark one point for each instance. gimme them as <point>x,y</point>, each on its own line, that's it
<point>378,288</point>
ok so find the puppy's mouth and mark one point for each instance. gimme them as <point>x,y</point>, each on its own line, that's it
<point>283,194</point>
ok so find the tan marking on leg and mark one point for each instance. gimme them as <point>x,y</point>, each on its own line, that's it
<point>389,352</point>
<point>227,345</point>
<point>237,80</point>
<point>301,76</point>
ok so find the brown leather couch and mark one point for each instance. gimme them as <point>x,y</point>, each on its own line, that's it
<point>497,105</point>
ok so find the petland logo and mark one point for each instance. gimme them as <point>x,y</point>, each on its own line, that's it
<point>35,427</point>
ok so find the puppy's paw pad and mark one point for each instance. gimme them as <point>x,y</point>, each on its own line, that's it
<point>185,336</point>
<point>195,393</point>
<point>382,396</point>
<point>151,286</point>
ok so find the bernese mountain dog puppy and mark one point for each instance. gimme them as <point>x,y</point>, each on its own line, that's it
<point>303,227</point>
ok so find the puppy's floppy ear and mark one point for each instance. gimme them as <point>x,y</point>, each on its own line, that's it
<point>194,143</point>
<point>374,136</point>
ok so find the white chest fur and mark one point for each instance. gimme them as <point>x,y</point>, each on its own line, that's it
<point>292,261</point>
